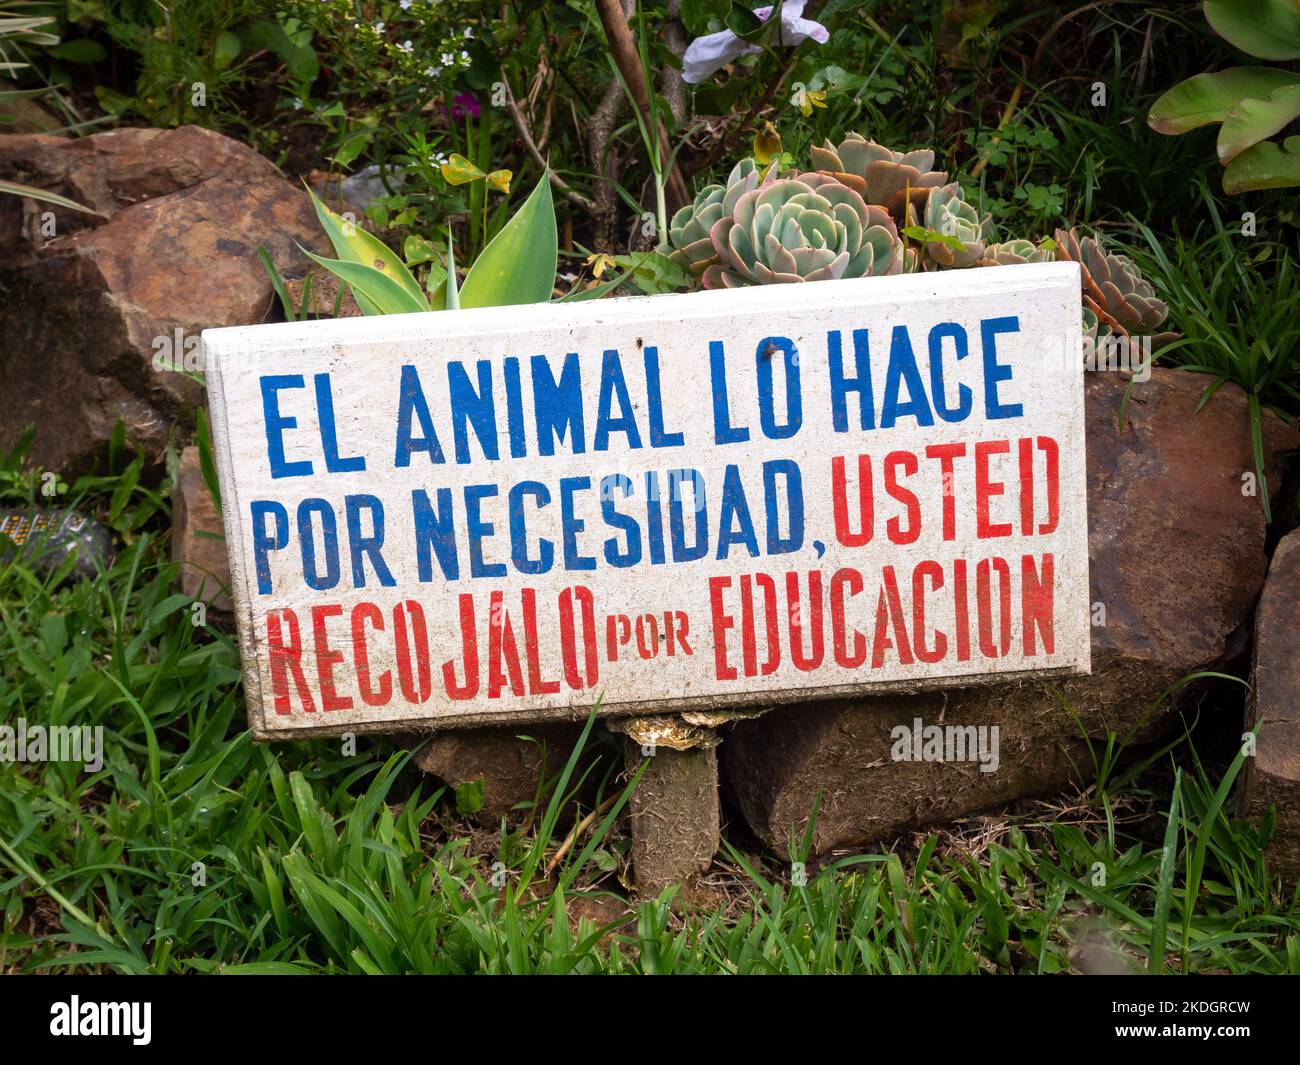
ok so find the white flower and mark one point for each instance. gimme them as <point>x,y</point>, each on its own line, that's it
<point>297,104</point>
<point>406,46</point>
<point>709,54</point>
<point>447,59</point>
<point>405,5</point>
<point>464,56</point>
<point>379,27</point>
<point>432,72</point>
<point>469,33</point>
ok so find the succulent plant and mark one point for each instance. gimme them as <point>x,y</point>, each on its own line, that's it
<point>948,213</point>
<point>1014,252</point>
<point>880,175</point>
<point>1114,290</point>
<point>688,232</point>
<point>805,228</point>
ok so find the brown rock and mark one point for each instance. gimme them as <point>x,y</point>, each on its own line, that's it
<point>1177,560</point>
<point>94,319</point>
<point>675,819</point>
<point>512,768</point>
<point>1272,777</point>
<point>204,565</point>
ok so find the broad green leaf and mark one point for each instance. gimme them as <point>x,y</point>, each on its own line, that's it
<point>1267,165</point>
<point>458,170</point>
<point>417,250</point>
<point>375,291</point>
<point>1266,29</point>
<point>1208,98</point>
<point>354,244</point>
<point>298,58</point>
<point>1252,121</point>
<point>518,265</point>
<point>226,50</point>
<point>80,50</point>
<point>469,797</point>
<point>19,189</point>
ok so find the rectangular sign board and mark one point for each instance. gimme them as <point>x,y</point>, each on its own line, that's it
<point>751,496</point>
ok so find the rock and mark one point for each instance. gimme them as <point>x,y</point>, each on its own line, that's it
<point>674,811</point>
<point>198,538</point>
<point>1272,777</point>
<point>324,292</point>
<point>96,318</point>
<point>1177,560</point>
<point>512,768</point>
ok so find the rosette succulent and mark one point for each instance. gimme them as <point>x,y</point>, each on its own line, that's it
<point>880,175</point>
<point>948,213</point>
<point>688,232</point>
<point>1014,252</point>
<point>805,228</point>
<point>1122,301</point>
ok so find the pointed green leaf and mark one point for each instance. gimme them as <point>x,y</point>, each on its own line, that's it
<point>518,265</point>
<point>1266,29</point>
<point>1267,165</point>
<point>453,289</point>
<point>1252,121</point>
<point>354,244</point>
<point>1208,98</point>
<point>19,189</point>
<point>375,291</point>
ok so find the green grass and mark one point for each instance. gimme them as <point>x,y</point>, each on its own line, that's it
<point>317,862</point>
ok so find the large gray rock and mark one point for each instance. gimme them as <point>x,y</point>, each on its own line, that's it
<point>1177,560</point>
<point>1272,777</point>
<point>96,309</point>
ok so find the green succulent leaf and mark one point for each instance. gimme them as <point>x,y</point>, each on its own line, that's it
<point>1266,29</point>
<point>354,244</point>
<point>1267,165</point>
<point>1252,121</point>
<point>518,265</point>
<point>375,291</point>
<point>1209,98</point>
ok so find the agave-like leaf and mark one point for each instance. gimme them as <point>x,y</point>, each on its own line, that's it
<point>375,291</point>
<point>354,244</point>
<point>518,265</point>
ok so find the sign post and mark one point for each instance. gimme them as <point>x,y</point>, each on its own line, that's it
<point>689,502</point>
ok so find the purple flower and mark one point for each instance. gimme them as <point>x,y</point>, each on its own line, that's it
<point>465,105</point>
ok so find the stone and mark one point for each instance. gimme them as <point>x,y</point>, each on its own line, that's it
<point>1177,559</point>
<point>198,539</point>
<point>512,767</point>
<point>97,318</point>
<point>1272,777</point>
<point>674,814</point>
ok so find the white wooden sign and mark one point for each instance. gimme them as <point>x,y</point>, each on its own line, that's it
<point>740,497</point>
